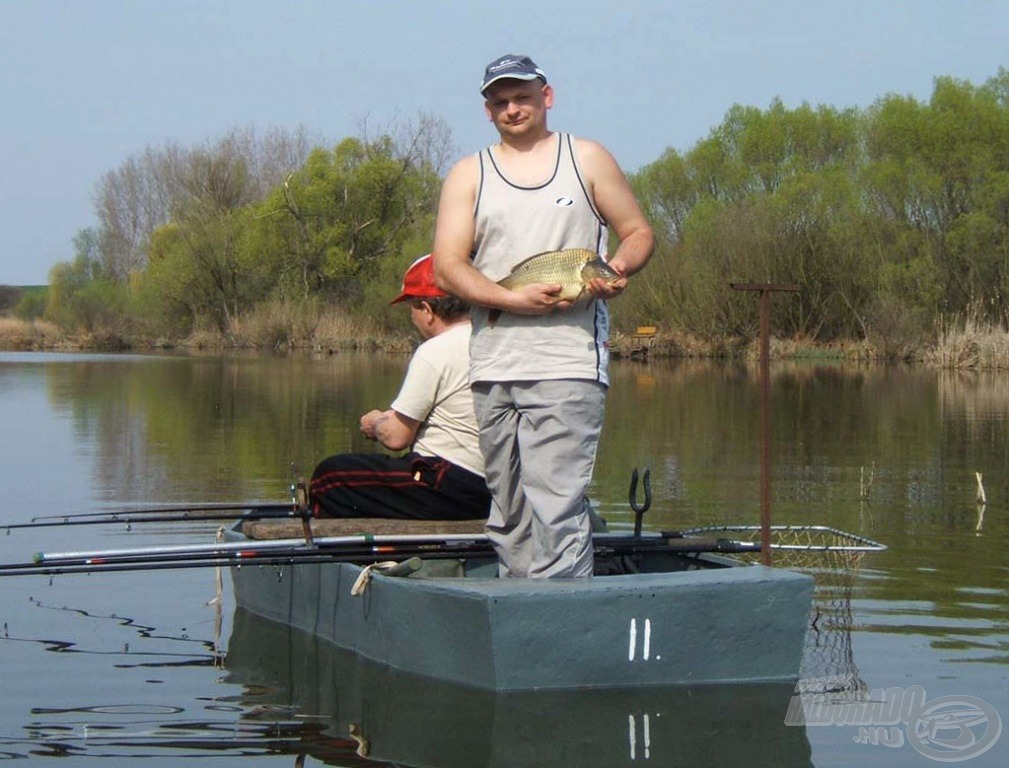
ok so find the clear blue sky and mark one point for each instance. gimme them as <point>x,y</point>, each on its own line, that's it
<point>84,84</point>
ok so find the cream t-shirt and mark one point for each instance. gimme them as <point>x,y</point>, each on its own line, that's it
<point>436,393</point>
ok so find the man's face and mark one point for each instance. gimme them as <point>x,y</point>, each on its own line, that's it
<point>518,106</point>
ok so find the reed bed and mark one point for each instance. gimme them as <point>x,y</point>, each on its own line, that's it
<point>967,345</point>
<point>675,344</point>
<point>25,335</point>
<point>299,326</point>
<point>974,345</point>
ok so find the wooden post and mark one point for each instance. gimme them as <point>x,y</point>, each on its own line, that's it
<point>765,290</point>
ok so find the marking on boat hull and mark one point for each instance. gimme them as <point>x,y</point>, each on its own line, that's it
<point>646,641</point>
<point>646,734</point>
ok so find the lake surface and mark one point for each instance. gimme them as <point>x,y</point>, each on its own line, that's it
<point>158,666</point>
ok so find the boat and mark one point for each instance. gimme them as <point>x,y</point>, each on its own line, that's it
<point>661,610</point>
<point>328,704</point>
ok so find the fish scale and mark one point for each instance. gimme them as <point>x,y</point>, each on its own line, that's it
<point>571,269</point>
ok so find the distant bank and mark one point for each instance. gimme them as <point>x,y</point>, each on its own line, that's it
<point>13,298</point>
<point>971,345</point>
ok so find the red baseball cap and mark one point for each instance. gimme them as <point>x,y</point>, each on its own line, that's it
<point>418,282</point>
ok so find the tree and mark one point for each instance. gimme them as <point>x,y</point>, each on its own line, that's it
<point>755,201</point>
<point>937,172</point>
<point>328,227</point>
<point>81,295</point>
<point>151,187</point>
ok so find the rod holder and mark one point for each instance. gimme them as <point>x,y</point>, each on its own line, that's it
<point>632,498</point>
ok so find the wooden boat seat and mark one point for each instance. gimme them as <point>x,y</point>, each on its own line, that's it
<point>356,526</point>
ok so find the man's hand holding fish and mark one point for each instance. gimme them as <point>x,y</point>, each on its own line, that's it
<point>539,299</point>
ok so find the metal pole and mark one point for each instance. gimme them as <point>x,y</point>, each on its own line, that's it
<point>765,290</point>
<point>765,428</point>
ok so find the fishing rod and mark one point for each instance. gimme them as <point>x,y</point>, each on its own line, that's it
<point>356,549</point>
<point>279,559</point>
<point>366,539</point>
<point>345,549</point>
<point>129,520</point>
<point>249,547</point>
<point>161,515</point>
<point>236,510</point>
<point>294,556</point>
<point>214,506</point>
<point>244,554</point>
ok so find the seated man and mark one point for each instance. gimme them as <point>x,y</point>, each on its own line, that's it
<point>442,476</point>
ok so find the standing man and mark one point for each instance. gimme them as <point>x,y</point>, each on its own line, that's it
<point>441,478</point>
<point>539,374</point>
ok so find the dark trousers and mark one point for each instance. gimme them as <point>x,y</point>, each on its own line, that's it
<point>410,487</point>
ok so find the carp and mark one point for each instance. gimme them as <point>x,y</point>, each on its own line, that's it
<point>572,269</point>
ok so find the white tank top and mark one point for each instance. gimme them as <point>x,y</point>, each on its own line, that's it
<point>514,222</point>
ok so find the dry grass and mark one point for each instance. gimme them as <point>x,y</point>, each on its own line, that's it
<point>804,349</point>
<point>29,334</point>
<point>276,326</point>
<point>667,343</point>
<point>337,330</point>
<point>284,326</point>
<point>677,344</point>
<point>973,346</point>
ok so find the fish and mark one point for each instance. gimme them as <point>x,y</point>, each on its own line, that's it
<point>572,269</point>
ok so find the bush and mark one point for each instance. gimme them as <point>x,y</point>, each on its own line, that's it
<point>32,304</point>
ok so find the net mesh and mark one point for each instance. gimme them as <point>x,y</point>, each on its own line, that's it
<point>833,558</point>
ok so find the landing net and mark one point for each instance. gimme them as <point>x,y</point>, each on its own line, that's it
<point>834,558</point>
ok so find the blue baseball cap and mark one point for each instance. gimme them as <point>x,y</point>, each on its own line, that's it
<point>511,66</point>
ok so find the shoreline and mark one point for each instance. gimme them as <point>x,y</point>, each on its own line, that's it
<point>37,336</point>
<point>964,348</point>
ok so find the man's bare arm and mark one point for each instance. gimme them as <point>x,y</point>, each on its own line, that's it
<point>615,201</point>
<point>391,428</point>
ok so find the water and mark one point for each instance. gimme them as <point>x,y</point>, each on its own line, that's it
<point>157,666</point>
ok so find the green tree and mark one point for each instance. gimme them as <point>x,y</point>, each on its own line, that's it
<point>331,224</point>
<point>937,171</point>
<point>82,296</point>
<point>755,201</point>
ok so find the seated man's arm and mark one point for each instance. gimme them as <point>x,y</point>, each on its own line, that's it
<point>391,428</point>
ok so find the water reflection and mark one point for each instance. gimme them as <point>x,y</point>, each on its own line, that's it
<point>84,433</point>
<point>408,720</point>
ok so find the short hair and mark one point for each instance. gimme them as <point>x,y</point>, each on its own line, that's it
<point>448,308</point>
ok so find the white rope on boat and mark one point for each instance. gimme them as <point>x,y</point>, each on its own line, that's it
<point>364,578</point>
<point>388,567</point>
<point>363,745</point>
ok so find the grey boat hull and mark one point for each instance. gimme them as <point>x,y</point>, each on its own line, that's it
<point>713,623</point>
<point>411,720</point>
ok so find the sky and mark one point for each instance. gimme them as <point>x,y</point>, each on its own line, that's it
<point>86,84</point>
